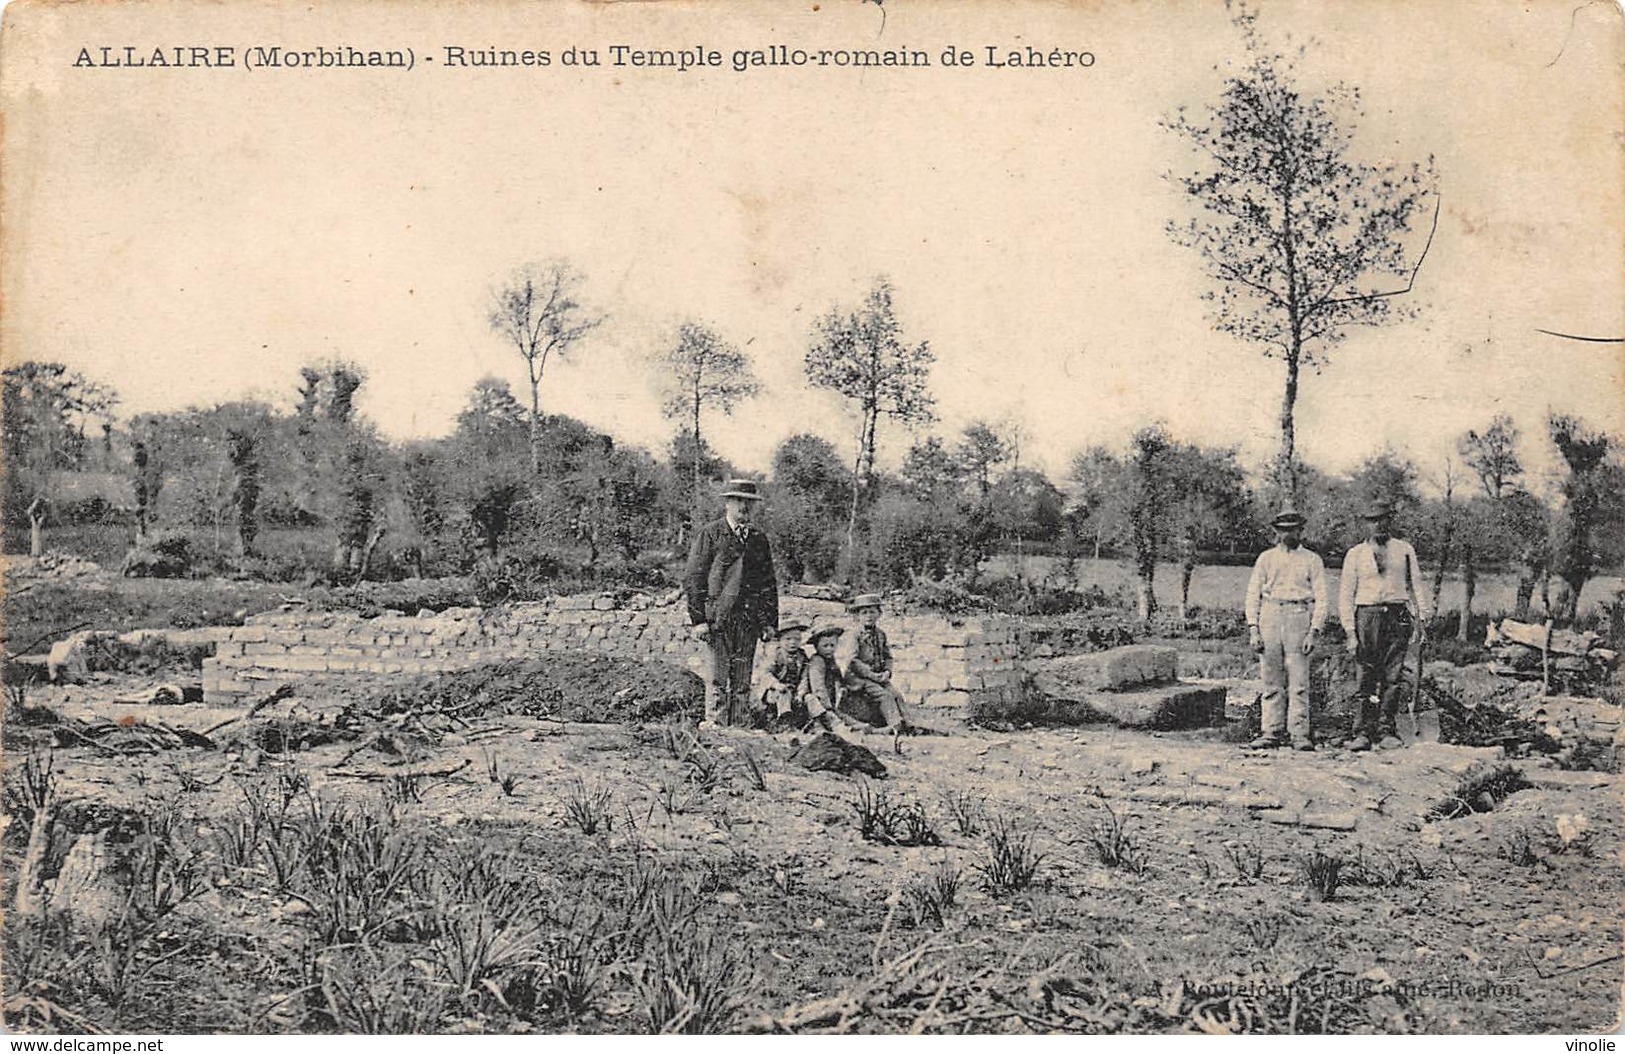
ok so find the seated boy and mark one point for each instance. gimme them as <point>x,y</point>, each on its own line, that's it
<point>870,697</point>
<point>784,673</point>
<point>819,692</point>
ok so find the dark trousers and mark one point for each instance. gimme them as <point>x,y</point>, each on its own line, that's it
<point>1382,633</point>
<point>874,703</point>
<point>733,651</point>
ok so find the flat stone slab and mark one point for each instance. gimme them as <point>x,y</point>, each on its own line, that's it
<point>1203,796</point>
<point>1073,677</point>
<point>1566,779</point>
<point>1326,821</point>
<point>1173,707</point>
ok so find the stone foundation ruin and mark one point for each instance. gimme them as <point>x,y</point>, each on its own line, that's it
<point>949,666</point>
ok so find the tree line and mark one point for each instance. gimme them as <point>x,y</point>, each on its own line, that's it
<point>533,497</point>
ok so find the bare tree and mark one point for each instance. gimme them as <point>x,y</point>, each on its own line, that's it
<point>537,310</point>
<point>861,357</point>
<point>1295,233</point>
<point>700,370</point>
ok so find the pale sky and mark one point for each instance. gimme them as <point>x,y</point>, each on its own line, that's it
<point>194,236</point>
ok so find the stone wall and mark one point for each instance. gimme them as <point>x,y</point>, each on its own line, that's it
<point>941,664</point>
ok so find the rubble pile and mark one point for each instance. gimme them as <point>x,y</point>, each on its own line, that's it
<point>1531,652</point>
<point>21,570</point>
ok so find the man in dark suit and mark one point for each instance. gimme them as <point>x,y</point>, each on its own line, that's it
<point>733,599</point>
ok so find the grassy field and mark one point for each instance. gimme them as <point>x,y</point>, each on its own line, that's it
<point>1226,587</point>
<point>525,875</point>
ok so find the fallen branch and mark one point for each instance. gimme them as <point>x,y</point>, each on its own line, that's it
<point>283,691</point>
<point>400,772</point>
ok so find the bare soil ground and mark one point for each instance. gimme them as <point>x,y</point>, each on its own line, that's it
<point>724,888</point>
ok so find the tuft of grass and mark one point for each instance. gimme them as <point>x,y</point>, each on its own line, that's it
<point>504,781</point>
<point>1385,870</point>
<point>358,869</point>
<point>588,808</point>
<point>567,977</point>
<point>1113,844</point>
<point>403,788</point>
<point>1011,863</point>
<point>967,810</point>
<point>753,768</point>
<point>884,822</point>
<point>370,990</point>
<point>687,977</point>
<point>928,899</point>
<point>1322,873</point>
<point>1518,848</point>
<point>1247,859</point>
<point>29,786</point>
<point>1264,930</point>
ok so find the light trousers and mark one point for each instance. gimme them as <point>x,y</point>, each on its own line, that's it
<point>1285,668</point>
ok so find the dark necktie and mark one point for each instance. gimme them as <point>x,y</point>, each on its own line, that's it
<point>1379,553</point>
<point>742,532</point>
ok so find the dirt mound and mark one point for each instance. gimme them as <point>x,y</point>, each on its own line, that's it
<point>562,686</point>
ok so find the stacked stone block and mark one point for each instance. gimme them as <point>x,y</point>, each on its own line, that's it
<point>1135,686</point>
<point>942,664</point>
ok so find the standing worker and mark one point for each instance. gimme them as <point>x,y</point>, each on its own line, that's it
<point>1383,613</point>
<point>1286,608</point>
<point>733,599</point>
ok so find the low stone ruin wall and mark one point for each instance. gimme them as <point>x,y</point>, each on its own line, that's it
<point>958,665</point>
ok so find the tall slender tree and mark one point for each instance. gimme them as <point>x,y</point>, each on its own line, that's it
<point>860,355</point>
<point>1302,241</point>
<point>702,370</point>
<point>538,312</point>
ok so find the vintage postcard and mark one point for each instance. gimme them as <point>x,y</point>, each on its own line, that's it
<point>813,517</point>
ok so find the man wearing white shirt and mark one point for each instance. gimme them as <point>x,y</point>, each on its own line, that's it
<point>1286,608</point>
<point>1383,612</point>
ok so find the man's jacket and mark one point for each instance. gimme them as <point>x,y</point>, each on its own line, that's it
<point>729,581</point>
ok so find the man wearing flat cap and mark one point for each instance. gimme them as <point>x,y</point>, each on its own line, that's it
<point>1383,612</point>
<point>733,599</point>
<point>1286,608</point>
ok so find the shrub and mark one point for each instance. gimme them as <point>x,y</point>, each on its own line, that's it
<point>167,554</point>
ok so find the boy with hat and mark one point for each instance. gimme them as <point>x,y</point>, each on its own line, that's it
<point>870,696</point>
<point>1286,609</point>
<point>733,599</point>
<point>785,671</point>
<point>819,692</point>
<point>1383,612</point>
